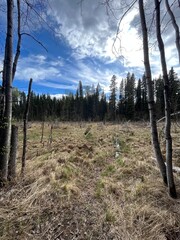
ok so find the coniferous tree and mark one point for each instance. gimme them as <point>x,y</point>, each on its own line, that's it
<point>102,107</point>
<point>81,104</point>
<point>138,103</point>
<point>144,98</point>
<point>129,96</point>
<point>96,102</point>
<point>174,85</point>
<point>121,102</point>
<point>112,98</point>
<point>159,96</point>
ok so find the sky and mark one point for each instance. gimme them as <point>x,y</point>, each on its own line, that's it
<point>82,45</point>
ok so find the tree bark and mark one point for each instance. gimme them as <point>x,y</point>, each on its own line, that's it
<point>170,179</point>
<point>50,135</point>
<point>13,153</point>
<point>18,47</point>
<point>42,132</point>
<point>176,27</point>
<point>7,117</point>
<point>151,103</point>
<point>25,128</point>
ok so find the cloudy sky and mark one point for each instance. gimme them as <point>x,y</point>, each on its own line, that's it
<point>80,40</point>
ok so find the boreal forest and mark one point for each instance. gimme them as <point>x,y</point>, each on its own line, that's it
<point>128,101</point>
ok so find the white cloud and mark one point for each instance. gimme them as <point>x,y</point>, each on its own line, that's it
<point>168,35</point>
<point>37,67</point>
<point>58,95</point>
<point>45,73</point>
<point>37,73</point>
<point>88,32</point>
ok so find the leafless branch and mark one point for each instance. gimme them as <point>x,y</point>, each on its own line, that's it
<point>119,24</point>
<point>175,25</point>
<point>38,14</point>
<point>172,115</point>
<point>40,43</point>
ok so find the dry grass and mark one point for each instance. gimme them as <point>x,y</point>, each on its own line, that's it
<point>75,187</point>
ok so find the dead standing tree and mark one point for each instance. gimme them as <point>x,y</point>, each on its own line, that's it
<point>13,153</point>
<point>26,113</point>
<point>42,132</point>
<point>50,135</point>
<point>169,171</point>
<point>5,131</point>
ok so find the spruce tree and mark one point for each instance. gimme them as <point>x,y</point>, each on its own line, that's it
<point>138,103</point>
<point>144,98</point>
<point>159,96</point>
<point>129,96</point>
<point>112,98</point>
<point>174,85</point>
<point>81,107</point>
<point>121,102</point>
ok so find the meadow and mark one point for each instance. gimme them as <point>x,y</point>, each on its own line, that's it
<point>90,181</point>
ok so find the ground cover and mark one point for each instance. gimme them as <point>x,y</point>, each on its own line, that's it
<point>100,185</point>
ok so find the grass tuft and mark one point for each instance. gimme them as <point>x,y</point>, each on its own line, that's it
<point>76,188</point>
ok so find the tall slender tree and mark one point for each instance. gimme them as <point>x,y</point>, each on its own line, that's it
<point>175,25</point>
<point>174,85</point>
<point>151,103</point>
<point>159,95</point>
<point>129,95</point>
<point>138,102</point>
<point>170,179</point>
<point>5,133</point>
<point>112,98</point>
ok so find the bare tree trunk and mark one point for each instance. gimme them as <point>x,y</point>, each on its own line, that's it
<point>151,103</point>
<point>176,27</point>
<point>25,128</point>
<point>6,121</point>
<point>170,179</point>
<point>18,47</point>
<point>2,100</point>
<point>42,132</point>
<point>13,153</point>
<point>50,135</point>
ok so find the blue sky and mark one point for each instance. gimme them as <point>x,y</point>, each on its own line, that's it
<point>80,47</point>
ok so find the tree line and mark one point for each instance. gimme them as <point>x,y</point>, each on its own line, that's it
<point>128,101</point>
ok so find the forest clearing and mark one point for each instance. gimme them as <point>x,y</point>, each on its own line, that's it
<point>98,156</point>
<point>90,181</point>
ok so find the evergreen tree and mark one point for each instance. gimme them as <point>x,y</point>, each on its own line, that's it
<point>144,98</point>
<point>129,96</point>
<point>112,98</point>
<point>174,89</point>
<point>121,103</point>
<point>96,102</point>
<point>81,105</point>
<point>102,107</point>
<point>138,103</point>
<point>159,97</point>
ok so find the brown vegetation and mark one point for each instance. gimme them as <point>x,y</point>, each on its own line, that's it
<point>79,188</point>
